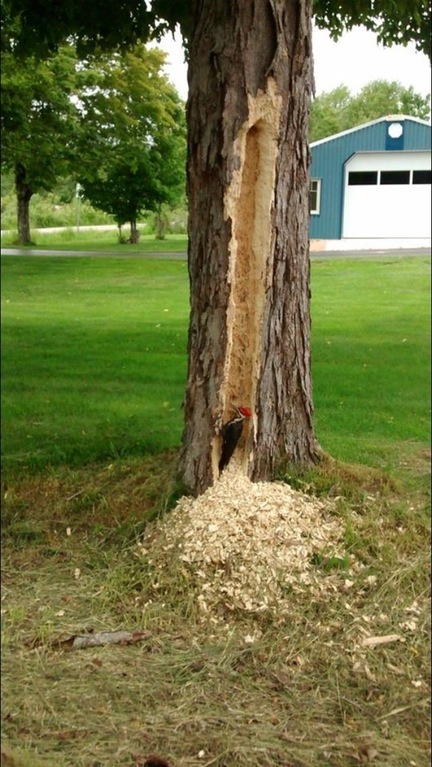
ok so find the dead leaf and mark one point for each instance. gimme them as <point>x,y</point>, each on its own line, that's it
<point>282,678</point>
<point>367,754</point>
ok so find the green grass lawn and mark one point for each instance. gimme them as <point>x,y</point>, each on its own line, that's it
<point>94,240</point>
<point>94,369</point>
<point>371,356</point>
<point>94,357</point>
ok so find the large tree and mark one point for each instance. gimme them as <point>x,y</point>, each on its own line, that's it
<point>250,83</point>
<point>132,135</point>
<point>38,121</point>
<point>339,109</point>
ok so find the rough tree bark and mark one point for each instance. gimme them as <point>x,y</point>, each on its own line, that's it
<point>250,82</point>
<point>24,194</point>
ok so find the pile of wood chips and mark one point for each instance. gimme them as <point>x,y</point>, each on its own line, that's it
<point>248,544</point>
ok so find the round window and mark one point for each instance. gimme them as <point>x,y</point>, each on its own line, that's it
<point>395,130</point>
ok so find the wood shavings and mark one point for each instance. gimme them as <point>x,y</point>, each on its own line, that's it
<point>248,545</point>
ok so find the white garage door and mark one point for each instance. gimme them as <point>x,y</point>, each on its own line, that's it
<point>388,194</point>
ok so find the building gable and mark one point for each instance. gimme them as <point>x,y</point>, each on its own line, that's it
<point>392,134</point>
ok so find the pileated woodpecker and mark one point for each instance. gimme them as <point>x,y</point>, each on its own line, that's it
<point>231,433</point>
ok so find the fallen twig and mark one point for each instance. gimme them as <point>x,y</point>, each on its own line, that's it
<point>95,639</point>
<point>80,641</point>
<point>75,495</point>
<point>375,641</point>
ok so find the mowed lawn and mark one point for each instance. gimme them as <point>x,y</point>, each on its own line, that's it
<point>371,356</point>
<point>93,371</point>
<point>94,357</point>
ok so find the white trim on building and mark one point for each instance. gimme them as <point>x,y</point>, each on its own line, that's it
<point>388,118</point>
<point>315,196</point>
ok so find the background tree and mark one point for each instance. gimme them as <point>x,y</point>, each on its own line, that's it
<point>339,110</point>
<point>250,82</point>
<point>327,112</point>
<point>132,135</point>
<point>38,122</point>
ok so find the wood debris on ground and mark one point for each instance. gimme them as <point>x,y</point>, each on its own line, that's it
<point>97,639</point>
<point>247,544</point>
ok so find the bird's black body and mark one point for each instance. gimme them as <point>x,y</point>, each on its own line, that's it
<point>231,433</point>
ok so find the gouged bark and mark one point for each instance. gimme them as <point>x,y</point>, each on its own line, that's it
<point>248,203</point>
<point>250,82</point>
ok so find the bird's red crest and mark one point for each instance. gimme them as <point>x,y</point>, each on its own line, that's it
<point>245,411</point>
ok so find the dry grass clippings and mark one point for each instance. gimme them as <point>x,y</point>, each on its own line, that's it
<point>258,653</point>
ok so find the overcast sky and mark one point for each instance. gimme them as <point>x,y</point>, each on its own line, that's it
<point>354,60</point>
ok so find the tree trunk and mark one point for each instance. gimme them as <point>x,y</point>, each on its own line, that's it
<point>161,221</point>
<point>24,194</point>
<point>134,233</point>
<point>250,82</point>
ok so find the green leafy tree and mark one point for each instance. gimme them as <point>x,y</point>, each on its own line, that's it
<point>339,110</point>
<point>327,112</point>
<point>250,84</point>
<point>407,21</point>
<point>133,135</point>
<point>38,122</point>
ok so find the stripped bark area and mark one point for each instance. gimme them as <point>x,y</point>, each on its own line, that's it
<point>248,204</point>
<point>250,79</point>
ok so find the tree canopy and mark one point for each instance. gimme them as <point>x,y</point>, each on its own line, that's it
<point>38,116</point>
<point>339,109</point>
<point>132,135</point>
<point>403,22</point>
<point>113,121</point>
<point>38,122</point>
<point>43,25</point>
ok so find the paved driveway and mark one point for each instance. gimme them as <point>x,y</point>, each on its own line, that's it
<point>179,256</point>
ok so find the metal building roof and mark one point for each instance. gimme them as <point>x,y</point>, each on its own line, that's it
<point>388,118</point>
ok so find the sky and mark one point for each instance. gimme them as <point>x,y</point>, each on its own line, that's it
<point>356,59</point>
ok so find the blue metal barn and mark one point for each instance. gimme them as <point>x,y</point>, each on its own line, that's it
<point>373,181</point>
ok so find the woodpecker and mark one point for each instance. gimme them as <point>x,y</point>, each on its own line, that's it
<point>231,433</point>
